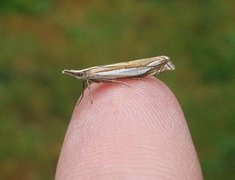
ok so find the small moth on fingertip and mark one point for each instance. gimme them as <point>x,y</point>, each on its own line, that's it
<point>116,72</point>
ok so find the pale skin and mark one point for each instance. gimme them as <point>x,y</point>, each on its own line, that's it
<point>136,132</point>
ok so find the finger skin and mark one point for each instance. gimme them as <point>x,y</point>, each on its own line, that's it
<point>136,132</point>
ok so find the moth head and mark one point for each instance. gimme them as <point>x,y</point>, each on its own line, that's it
<point>168,65</point>
<point>75,73</point>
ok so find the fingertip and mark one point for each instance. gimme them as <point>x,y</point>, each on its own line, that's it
<point>137,131</point>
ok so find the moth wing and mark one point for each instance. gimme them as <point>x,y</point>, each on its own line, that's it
<point>121,73</point>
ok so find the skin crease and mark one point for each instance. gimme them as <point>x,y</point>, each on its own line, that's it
<point>136,132</point>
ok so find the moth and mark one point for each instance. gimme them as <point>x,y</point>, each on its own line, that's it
<point>136,69</point>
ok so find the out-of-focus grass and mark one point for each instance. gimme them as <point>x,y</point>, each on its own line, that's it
<point>40,38</point>
<point>27,7</point>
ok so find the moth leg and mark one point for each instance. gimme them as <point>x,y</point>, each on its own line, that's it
<point>116,81</point>
<point>160,69</point>
<point>122,82</point>
<point>139,78</point>
<point>89,89</point>
<point>83,87</point>
<point>154,71</point>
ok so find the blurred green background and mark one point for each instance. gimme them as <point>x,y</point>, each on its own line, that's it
<point>40,38</point>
